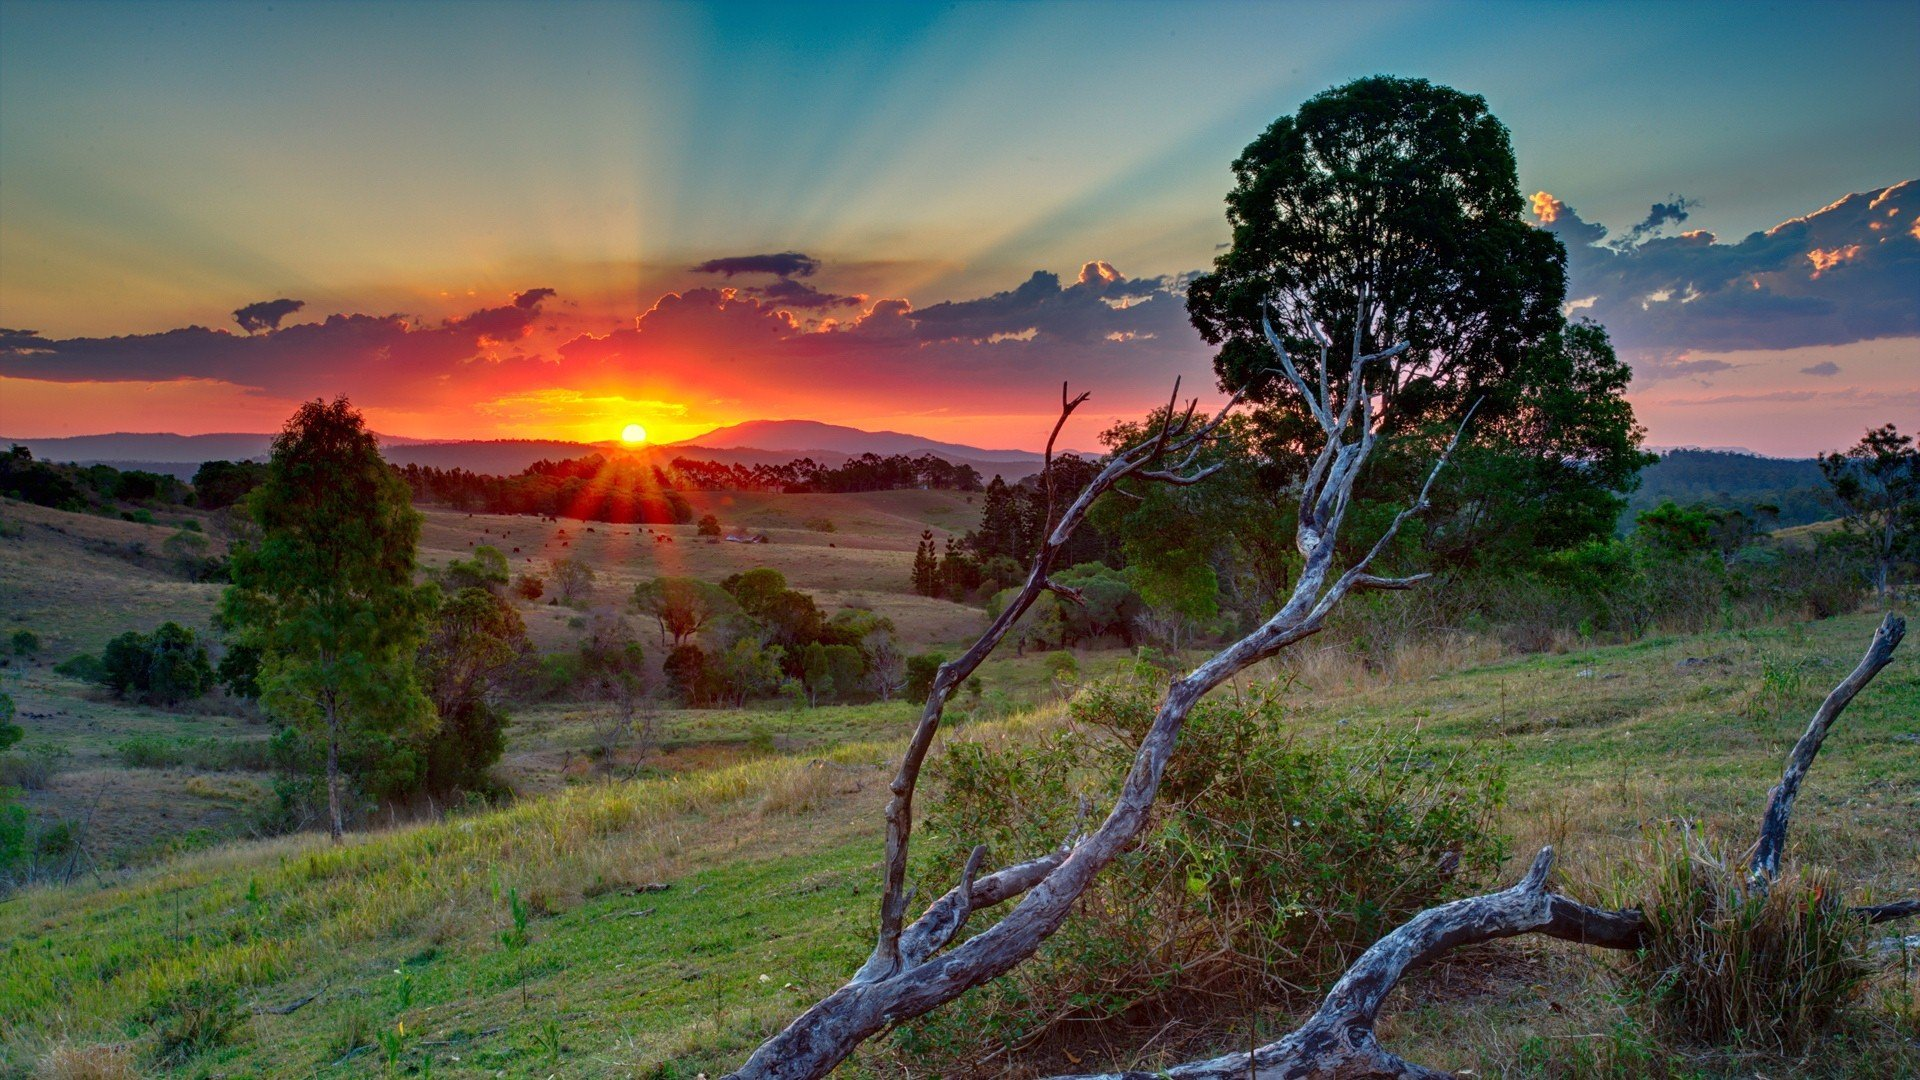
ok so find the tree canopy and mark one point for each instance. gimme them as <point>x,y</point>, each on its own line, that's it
<point>1406,194</point>
<point>326,594</point>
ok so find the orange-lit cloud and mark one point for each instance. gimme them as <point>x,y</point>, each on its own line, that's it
<point>1546,207</point>
<point>1826,260</point>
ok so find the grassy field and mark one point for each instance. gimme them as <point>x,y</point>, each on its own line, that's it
<point>78,580</point>
<point>530,941</point>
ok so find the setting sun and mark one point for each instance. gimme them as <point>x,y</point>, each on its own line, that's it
<point>633,433</point>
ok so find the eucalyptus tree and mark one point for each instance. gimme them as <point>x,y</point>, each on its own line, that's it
<point>325,593</point>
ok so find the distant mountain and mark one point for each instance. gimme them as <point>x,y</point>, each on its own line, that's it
<point>1737,480</point>
<point>759,442</point>
<point>804,435</point>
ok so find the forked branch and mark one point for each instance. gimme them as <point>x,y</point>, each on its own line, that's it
<point>916,967</point>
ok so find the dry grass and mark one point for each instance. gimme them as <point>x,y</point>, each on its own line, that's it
<point>104,1061</point>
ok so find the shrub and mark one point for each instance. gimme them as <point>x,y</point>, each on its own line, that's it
<point>921,671</point>
<point>34,767</point>
<point>83,666</point>
<point>214,755</point>
<point>529,586</point>
<point>24,642</point>
<point>709,525</point>
<point>1267,864</point>
<point>819,524</point>
<point>165,667</point>
<point>1723,965</point>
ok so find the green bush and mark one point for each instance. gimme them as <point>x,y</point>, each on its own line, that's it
<point>83,666</point>
<point>24,642</point>
<point>1268,863</point>
<point>921,671</point>
<point>165,667</point>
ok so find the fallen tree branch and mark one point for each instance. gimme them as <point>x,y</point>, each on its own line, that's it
<point>1339,1041</point>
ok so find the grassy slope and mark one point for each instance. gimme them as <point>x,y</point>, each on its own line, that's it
<point>77,580</point>
<point>771,865</point>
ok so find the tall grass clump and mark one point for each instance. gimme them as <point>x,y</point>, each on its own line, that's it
<point>1726,964</point>
<point>1270,861</point>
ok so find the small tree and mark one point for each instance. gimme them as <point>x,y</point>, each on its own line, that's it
<point>709,525</point>
<point>486,570</point>
<point>326,592</point>
<point>572,581</point>
<point>681,606</point>
<point>926,566</point>
<point>165,667</point>
<point>921,669</point>
<point>465,665</point>
<point>1877,481</point>
<point>614,671</point>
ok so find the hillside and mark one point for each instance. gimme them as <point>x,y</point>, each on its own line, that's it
<point>666,924</point>
<point>1735,480</point>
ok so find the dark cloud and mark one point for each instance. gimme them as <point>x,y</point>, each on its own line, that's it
<point>376,357</point>
<point>1658,217</point>
<point>799,294</point>
<point>531,298</point>
<point>1824,369</point>
<point>785,264</point>
<point>1101,304</point>
<point>1845,273</point>
<point>266,314</point>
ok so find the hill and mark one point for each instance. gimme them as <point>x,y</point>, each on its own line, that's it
<point>800,435</point>
<point>1736,480</point>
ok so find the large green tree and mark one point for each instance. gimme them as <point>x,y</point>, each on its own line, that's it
<point>1406,194</point>
<point>326,594</point>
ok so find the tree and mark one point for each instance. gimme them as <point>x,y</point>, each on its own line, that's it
<point>709,525</point>
<point>1877,481</point>
<point>614,670</point>
<point>1406,194</point>
<point>326,595</point>
<point>465,664</point>
<point>572,581</point>
<point>165,667</point>
<point>681,606</point>
<point>218,484</point>
<point>926,566</point>
<point>486,570</point>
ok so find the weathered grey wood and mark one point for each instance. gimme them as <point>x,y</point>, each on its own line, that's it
<point>908,972</point>
<point>1773,823</point>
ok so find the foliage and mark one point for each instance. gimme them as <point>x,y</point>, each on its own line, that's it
<point>219,484</point>
<point>165,667</point>
<point>486,570</point>
<point>682,606</point>
<point>613,670</point>
<point>13,816</point>
<point>1788,492</point>
<point>572,580</point>
<point>1408,191</point>
<point>326,595</point>
<point>709,525</point>
<point>922,668</point>
<point>23,642</point>
<point>1269,861</point>
<point>1013,517</point>
<point>529,586</point>
<point>476,643</point>
<point>1877,482</point>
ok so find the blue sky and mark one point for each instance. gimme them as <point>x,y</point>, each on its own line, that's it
<point>162,163</point>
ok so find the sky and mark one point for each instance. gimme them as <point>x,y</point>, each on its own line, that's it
<point>486,220</point>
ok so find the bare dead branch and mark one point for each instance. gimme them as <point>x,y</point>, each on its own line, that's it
<point>1773,823</point>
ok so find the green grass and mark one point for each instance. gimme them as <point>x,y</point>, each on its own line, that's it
<point>771,863</point>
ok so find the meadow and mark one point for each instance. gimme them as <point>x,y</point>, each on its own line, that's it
<point>661,917</point>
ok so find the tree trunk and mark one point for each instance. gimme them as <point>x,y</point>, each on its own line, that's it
<point>335,828</point>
